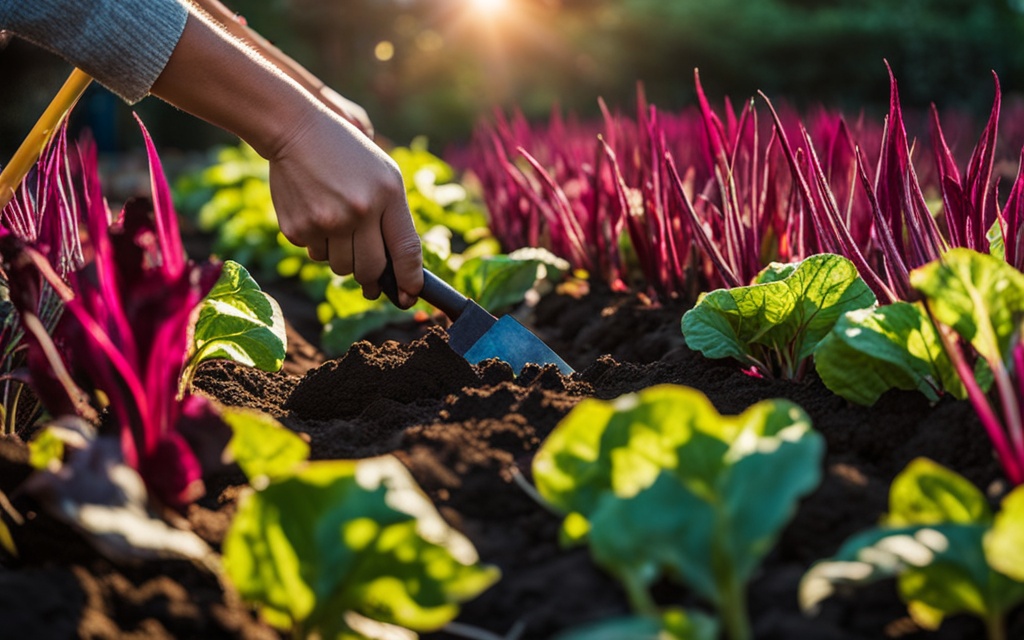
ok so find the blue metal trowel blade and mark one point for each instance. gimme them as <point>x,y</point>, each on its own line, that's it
<point>475,334</point>
<point>510,341</point>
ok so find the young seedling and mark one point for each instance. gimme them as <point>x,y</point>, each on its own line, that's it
<point>942,544</point>
<point>776,323</point>
<point>237,321</point>
<point>659,484</point>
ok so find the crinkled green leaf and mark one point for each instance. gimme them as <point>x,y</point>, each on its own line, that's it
<point>261,446</point>
<point>674,624</point>
<point>872,350</point>
<point>340,537</point>
<point>239,322</point>
<point>979,296</point>
<point>996,245</point>
<point>757,493</point>
<point>933,543</point>
<point>775,271</point>
<point>496,282</point>
<point>943,566</point>
<point>779,319</point>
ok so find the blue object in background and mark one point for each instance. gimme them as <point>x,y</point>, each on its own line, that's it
<point>98,113</point>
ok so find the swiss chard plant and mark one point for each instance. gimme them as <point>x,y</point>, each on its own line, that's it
<point>944,546</point>
<point>658,483</point>
<point>237,321</point>
<point>775,324</point>
<point>344,548</point>
<point>124,433</point>
<point>977,304</point>
<point>127,313</point>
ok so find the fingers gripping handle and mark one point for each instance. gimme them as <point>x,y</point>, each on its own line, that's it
<point>435,291</point>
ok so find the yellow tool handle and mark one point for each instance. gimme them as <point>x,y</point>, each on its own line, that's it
<point>32,146</point>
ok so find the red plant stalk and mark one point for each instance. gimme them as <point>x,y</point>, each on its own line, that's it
<point>44,213</point>
<point>1011,220</point>
<point>898,191</point>
<point>44,210</point>
<point>970,204</point>
<point>896,284</point>
<point>828,223</point>
<point>705,198</point>
<point>126,331</point>
<point>1011,456</point>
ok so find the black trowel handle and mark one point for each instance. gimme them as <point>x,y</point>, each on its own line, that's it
<point>435,291</point>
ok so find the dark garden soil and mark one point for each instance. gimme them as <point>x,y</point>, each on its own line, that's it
<point>464,432</point>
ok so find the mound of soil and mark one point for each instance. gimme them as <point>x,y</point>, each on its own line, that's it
<point>466,432</point>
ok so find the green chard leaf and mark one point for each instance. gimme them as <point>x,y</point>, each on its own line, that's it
<point>501,281</point>
<point>872,350</point>
<point>937,541</point>
<point>669,485</point>
<point>237,321</point>
<point>263,448</point>
<point>979,296</point>
<point>496,282</point>
<point>927,493</point>
<point>347,316</point>
<point>340,541</point>
<point>777,322</point>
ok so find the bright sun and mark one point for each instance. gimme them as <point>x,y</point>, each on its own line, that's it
<point>489,7</point>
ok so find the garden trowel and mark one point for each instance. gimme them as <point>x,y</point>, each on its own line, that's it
<point>477,335</point>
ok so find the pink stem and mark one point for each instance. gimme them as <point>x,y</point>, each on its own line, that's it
<point>988,417</point>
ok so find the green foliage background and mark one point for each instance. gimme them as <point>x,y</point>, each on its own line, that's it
<point>450,69</point>
<point>570,52</point>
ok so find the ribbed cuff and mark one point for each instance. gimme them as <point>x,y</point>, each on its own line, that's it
<point>123,44</point>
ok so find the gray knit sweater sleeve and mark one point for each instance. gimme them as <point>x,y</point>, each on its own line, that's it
<point>124,44</point>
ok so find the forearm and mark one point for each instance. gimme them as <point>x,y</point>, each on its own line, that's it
<point>334,101</point>
<point>214,77</point>
<point>229,20</point>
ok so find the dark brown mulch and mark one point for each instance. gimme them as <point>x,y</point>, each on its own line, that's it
<point>464,432</point>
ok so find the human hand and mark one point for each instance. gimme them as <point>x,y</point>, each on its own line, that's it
<point>336,193</point>
<point>342,198</point>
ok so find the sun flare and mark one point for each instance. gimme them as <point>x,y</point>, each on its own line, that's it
<point>490,7</point>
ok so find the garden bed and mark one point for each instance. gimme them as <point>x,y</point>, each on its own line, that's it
<point>465,432</point>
